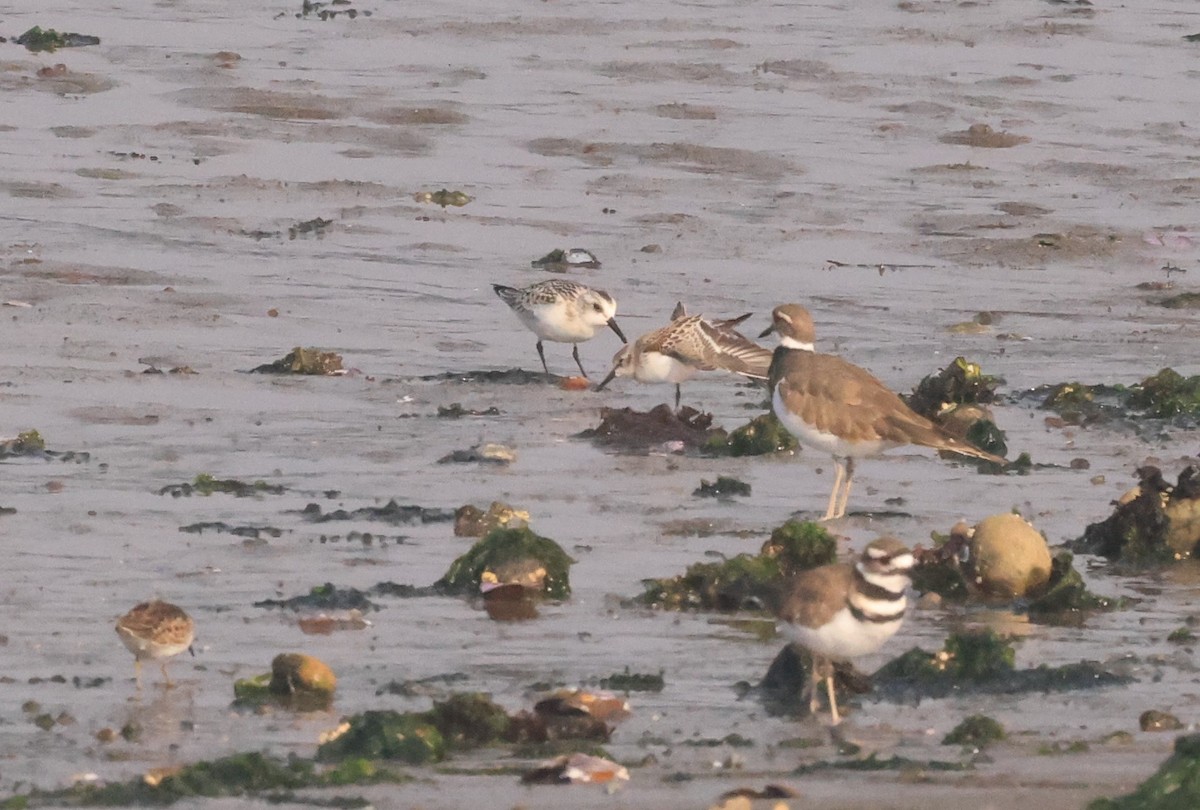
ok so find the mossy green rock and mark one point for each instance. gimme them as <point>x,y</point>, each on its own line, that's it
<point>386,734</point>
<point>504,548</point>
<point>1176,785</point>
<point>469,720</point>
<point>978,730</point>
<point>744,581</point>
<point>799,545</point>
<point>763,434</point>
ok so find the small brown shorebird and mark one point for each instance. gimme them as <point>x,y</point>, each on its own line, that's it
<point>687,345</point>
<point>562,311</point>
<point>835,406</point>
<point>838,612</point>
<point>156,630</point>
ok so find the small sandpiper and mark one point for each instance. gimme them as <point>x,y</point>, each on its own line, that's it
<point>838,612</point>
<point>830,404</point>
<point>156,630</point>
<point>687,345</point>
<point>562,311</point>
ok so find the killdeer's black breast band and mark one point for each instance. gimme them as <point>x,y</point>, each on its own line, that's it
<point>873,591</point>
<point>875,618</point>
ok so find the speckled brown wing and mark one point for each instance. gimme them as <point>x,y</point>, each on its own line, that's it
<point>160,622</point>
<point>812,597</point>
<point>728,349</point>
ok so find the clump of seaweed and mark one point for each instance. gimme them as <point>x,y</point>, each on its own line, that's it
<point>1175,786</point>
<point>1153,524</point>
<point>747,581</point>
<point>511,549</point>
<point>762,435</point>
<point>206,484</point>
<point>302,360</point>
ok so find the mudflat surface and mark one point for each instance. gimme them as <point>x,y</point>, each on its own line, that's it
<point>812,152</point>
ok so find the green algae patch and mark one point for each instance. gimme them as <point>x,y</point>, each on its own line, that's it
<point>747,581</point>
<point>300,360</point>
<point>978,730</point>
<point>206,484</point>
<point>30,444</point>
<point>762,435</point>
<point>235,775</point>
<point>1187,300</point>
<point>981,663</point>
<point>386,734</point>
<point>470,720</point>
<point>741,582</point>
<point>1066,599</point>
<point>1167,394</point>
<point>799,545</point>
<point>633,682</point>
<point>327,597</point>
<point>1175,786</point>
<point>509,549</point>
<point>47,39</point>
<point>1154,524</point>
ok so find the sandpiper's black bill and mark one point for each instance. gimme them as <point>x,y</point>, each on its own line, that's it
<point>767,331</point>
<point>607,379</point>
<point>612,324</point>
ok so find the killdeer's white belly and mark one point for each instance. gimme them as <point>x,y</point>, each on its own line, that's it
<point>655,367</point>
<point>813,436</point>
<point>842,637</point>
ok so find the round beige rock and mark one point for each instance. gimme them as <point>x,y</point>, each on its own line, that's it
<point>293,673</point>
<point>1009,558</point>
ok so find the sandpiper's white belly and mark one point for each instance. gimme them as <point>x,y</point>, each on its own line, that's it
<point>842,637</point>
<point>653,367</point>
<point>555,322</point>
<point>819,439</point>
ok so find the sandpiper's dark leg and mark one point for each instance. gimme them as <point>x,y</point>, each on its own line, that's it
<point>575,354</point>
<point>677,396</point>
<point>542,354</point>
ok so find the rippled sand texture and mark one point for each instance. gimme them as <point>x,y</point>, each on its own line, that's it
<point>1034,159</point>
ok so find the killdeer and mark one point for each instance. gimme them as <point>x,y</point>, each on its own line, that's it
<point>156,630</point>
<point>835,406</point>
<point>842,611</point>
<point>686,345</point>
<point>562,311</point>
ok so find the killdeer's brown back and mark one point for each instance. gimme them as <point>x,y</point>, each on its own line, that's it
<point>838,397</point>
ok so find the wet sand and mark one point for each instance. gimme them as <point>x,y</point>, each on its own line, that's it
<point>150,190</point>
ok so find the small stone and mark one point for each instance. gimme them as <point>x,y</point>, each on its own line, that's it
<point>1080,464</point>
<point>1154,720</point>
